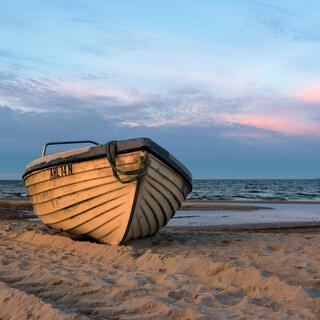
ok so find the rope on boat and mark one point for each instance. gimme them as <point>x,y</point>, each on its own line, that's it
<point>111,156</point>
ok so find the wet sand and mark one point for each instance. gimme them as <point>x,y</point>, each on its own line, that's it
<point>12,209</point>
<point>181,273</point>
<point>214,206</point>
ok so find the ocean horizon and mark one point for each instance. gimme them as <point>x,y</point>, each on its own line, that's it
<point>221,189</point>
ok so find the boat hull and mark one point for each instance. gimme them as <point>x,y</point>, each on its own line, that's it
<point>84,198</point>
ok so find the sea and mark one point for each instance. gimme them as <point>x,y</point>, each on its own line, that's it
<point>221,189</point>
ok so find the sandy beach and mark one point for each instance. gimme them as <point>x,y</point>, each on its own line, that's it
<point>181,273</point>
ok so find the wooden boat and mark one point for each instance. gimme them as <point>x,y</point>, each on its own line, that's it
<point>114,193</point>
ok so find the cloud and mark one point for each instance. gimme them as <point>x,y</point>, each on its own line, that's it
<point>283,115</point>
<point>51,95</point>
<point>245,135</point>
<point>227,151</point>
<point>311,94</point>
<point>129,124</point>
<point>181,107</point>
<point>284,125</point>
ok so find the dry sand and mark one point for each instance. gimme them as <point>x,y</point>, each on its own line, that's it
<point>181,273</point>
<point>175,275</point>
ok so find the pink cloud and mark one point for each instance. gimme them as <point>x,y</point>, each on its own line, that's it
<point>281,124</point>
<point>130,124</point>
<point>311,94</point>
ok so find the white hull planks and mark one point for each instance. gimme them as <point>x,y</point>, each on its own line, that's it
<point>160,196</point>
<point>90,201</point>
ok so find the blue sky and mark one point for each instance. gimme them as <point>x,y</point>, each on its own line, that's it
<point>232,88</point>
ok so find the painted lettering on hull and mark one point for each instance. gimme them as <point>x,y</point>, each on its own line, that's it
<point>61,171</point>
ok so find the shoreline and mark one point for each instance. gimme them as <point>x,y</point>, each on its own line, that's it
<point>254,201</point>
<point>189,204</point>
<point>253,227</point>
<point>15,209</point>
<point>26,201</point>
<point>205,205</point>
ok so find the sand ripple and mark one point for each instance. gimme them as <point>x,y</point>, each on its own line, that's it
<point>177,274</point>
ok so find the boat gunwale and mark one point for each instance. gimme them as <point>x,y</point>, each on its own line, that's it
<point>122,147</point>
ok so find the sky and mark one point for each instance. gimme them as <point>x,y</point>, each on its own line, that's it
<point>231,88</point>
